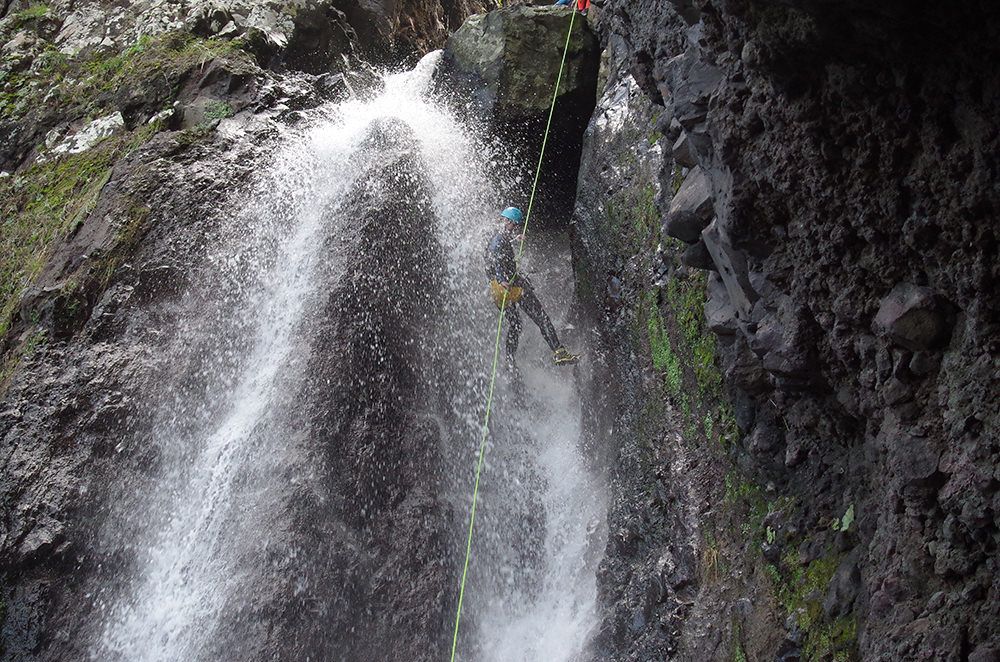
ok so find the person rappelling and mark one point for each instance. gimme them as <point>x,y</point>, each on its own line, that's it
<point>506,279</point>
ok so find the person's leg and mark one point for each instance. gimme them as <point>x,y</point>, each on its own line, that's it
<point>533,307</point>
<point>513,331</point>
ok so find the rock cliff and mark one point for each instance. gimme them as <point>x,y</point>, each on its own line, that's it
<point>825,177</point>
<point>124,128</point>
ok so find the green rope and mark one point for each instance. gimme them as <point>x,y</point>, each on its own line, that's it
<point>496,344</point>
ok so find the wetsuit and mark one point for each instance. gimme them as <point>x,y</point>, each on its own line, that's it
<point>500,265</point>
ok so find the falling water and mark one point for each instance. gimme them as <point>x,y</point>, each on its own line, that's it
<point>228,446</point>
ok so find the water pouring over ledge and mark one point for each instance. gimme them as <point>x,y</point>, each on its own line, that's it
<point>317,433</point>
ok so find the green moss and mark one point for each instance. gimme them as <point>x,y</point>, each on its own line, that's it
<point>686,299</point>
<point>665,361</point>
<point>218,110</point>
<point>32,13</point>
<point>678,178</point>
<point>727,428</point>
<point>800,591</point>
<point>838,641</point>
<point>40,206</point>
<point>47,203</point>
<point>88,85</point>
<point>739,655</point>
<point>631,221</point>
<point>683,349</point>
<point>747,507</point>
<point>26,19</point>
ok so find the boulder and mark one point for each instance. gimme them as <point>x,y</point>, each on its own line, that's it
<point>92,133</point>
<point>691,209</point>
<point>689,81</point>
<point>697,256</point>
<point>501,68</point>
<point>511,58</point>
<point>916,459</point>
<point>719,311</point>
<point>912,316</point>
<point>683,153</point>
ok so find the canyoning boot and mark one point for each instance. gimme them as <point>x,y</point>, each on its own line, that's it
<point>562,356</point>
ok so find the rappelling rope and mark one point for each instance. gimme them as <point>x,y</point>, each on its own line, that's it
<point>496,342</point>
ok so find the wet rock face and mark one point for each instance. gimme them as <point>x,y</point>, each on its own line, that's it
<point>130,167</point>
<point>73,418</point>
<point>834,160</point>
<point>75,424</point>
<point>380,530</point>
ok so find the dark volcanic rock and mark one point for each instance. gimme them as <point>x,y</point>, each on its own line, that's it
<point>690,208</point>
<point>509,61</point>
<point>850,211</point>
<point>912,316</point>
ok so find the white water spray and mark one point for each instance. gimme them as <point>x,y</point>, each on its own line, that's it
<point>221,480</point>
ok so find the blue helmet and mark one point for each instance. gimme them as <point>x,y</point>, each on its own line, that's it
<point>513,214</point>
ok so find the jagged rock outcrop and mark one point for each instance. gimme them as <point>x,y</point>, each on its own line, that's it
<point>96,51</point>
<point>786,227</point>
<point>644,586</point>
<point>848,239</point>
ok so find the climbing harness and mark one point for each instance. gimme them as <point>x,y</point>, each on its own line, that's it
<point>506,298</point>
<point>503,296</point>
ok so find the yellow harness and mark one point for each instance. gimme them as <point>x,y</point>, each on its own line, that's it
<point>514,294</point>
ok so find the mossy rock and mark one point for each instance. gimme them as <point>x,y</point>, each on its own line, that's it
<point>513,55</point>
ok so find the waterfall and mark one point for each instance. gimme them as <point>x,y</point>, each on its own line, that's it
<point>216,537</point>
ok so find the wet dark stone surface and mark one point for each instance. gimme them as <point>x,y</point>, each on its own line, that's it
<point>851,153</point>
